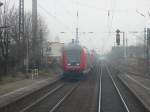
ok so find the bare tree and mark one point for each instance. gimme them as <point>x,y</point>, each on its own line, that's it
<point>4,37</point>
<point>13,51</point>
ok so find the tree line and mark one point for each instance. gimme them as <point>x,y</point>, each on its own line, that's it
<point>13,49</point>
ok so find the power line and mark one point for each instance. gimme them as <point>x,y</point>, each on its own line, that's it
<point>65,10</point>
<point>54,17</point>
<point>101,9</point>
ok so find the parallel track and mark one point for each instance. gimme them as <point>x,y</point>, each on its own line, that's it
<point>20,105</point>
<point>62,99</point>
<point>100,90</point>
<point>130,98</point>
<point>108,91</point>
<point>121,70</point>
<point>51,101</point>
<point>118,91</point>
<point>42,98</point>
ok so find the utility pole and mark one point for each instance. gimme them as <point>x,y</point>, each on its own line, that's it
<point>77,35</point>
<point>124,48</point>
<point>34,18</point>
<point>145,50</point>
<point>77,29</point>
<point>21,35</point>
<point>148,43</point>
<point>34,32</point>
<point>21,20</point>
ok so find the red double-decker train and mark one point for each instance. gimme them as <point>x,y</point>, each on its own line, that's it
<point>77,60</point>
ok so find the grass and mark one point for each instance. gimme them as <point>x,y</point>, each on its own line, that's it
<point>9,79</point>
<point>20,76</point>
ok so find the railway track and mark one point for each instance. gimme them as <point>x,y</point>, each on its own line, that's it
<point>46,99</point>
<point>30,99</point>
<point>122,70</point>
<point>84,98</point>
<point>110,98</point>
<point>99,92</point>
<point>132,102</point>
<point>51,98</point>
<point>71,97</point>
<point>100,89</point>
<point>51,101</point>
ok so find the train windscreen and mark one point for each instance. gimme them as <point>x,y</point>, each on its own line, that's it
<point>73,56</point>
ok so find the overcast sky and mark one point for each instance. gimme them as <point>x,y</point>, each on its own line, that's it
<point>60,16</point>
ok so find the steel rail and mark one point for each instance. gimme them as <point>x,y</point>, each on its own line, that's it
<point>118,91</point>
<point>56,106</point>
<point>42,98</point>
<point>100,90</point>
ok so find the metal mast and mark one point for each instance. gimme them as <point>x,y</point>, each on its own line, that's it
<point>77,29</point>
<point>21,55</point>
<point>34,31</point>
<point>147,49</point>
<point>34,18</point>
<point>21,19</point>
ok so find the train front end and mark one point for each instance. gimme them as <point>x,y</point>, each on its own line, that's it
<point>74,61</point>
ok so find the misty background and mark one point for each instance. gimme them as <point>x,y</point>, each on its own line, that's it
<point>102,17</point>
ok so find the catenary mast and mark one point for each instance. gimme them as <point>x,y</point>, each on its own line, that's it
<point>34,32</point>
<point>21,20</point>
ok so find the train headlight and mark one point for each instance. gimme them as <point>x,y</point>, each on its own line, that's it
<point>68,64</point>
<point>78,64</point>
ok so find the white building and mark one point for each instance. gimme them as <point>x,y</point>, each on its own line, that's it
<point>54,51</point>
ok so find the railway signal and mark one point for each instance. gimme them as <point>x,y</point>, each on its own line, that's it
<point>148,33</point>
<point>118,37</point>
<point>1,4</point>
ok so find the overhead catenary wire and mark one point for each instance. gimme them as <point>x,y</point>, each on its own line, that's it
<point>65,9</point>
<point>54,17</point>
<point>70,14</point>
<point>102,9</point>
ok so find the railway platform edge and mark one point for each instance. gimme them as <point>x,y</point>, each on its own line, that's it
<point>21,92</point>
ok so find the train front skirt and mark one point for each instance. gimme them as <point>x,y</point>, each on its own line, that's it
<point>74,75</point>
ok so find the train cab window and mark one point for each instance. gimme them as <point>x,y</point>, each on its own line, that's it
<point>74,56</point>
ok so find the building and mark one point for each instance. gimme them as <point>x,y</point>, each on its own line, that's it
<point>54,51</point>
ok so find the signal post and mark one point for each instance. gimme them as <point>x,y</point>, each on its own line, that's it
<point>118,40</point>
